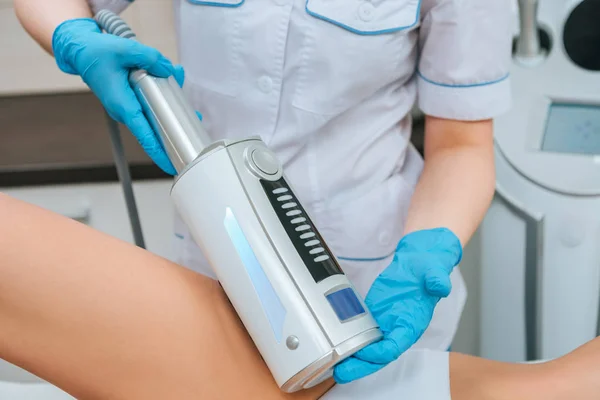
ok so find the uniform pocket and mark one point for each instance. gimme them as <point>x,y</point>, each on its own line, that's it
<point>218,3</point>
<point>210,40</point>
<point>367,17</point>
<point>352,49</point>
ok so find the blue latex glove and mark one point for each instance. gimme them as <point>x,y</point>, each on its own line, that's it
<point>403,298</point>
<point>103,61</point>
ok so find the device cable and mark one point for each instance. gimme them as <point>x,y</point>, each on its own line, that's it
<point>114,25</point>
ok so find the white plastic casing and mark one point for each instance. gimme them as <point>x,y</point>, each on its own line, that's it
<point>283,307</point>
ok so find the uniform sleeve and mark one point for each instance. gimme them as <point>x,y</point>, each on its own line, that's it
<point>116,6</point>
<point>416,375</point>
<point>464,58</point>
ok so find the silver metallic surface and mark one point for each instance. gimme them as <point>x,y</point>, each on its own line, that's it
<point>265,166</point>
<point>292,342</point>
<point>209,150</point>
<point>113,24</point>
<point>322,369</point>
<point>172,118</point>
<point>265,161</point>
<point>165,106</point>
<point>528,42</point>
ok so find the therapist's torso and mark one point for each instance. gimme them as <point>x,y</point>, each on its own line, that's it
<point>328,85</point>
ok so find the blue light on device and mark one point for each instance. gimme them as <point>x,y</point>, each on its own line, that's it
<point>345,304</point>
<point>269,299</point>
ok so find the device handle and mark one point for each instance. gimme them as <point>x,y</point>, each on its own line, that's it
<point>114,24</point>
<point>164,103</point>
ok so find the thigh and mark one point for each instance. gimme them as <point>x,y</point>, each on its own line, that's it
<point>102,319</point>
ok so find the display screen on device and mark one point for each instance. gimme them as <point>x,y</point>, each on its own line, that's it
<point>572,128</point>
<point>345,304</point>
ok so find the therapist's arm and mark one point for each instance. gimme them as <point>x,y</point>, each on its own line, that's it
<point>457,183</point>
<point>41,17</point>
<point>463,82</point>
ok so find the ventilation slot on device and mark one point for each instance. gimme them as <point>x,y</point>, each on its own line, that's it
<point>301,231</point>
<point>296,214</point>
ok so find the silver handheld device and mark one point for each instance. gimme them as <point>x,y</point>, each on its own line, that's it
<point>289,291</point>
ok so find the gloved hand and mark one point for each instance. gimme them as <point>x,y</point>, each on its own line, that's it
<point>403,297</point>
<point>103,61</point>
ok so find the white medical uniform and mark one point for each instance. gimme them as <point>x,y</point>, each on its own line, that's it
<point>329,86</point>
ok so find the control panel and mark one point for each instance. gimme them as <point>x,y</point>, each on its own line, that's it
<point>306,239</point>
<point>262,163</point>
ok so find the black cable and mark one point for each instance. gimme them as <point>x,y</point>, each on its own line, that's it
<point>126,182</point>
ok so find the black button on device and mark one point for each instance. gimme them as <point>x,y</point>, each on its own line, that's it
<point>304,235</point>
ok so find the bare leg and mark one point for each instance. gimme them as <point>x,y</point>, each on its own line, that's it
<point>102,319</point>
<point>574,376</point>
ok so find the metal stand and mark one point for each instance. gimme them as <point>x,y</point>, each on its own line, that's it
<point>125,179</point>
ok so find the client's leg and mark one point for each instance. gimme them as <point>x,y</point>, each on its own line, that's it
<point>574,376</point>
<point>103,319</point>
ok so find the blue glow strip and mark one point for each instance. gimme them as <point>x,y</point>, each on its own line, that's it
<point>271,303</point>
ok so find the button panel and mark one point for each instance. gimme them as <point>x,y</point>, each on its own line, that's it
<point>265,161</point>
<point>306,239</point>
<point>292,342</point>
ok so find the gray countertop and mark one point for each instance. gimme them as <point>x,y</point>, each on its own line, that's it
<point>63,138</point>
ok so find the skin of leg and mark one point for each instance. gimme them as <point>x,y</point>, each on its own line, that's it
<point>473,378</point>
<point>574,376</point>
<point>577,375</point>
<point>103,319</point>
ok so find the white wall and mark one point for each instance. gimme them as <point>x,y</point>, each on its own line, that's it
<point>27,69</point>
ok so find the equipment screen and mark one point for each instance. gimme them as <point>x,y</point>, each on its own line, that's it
<point>572,128</point>
<point>345,304</point>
